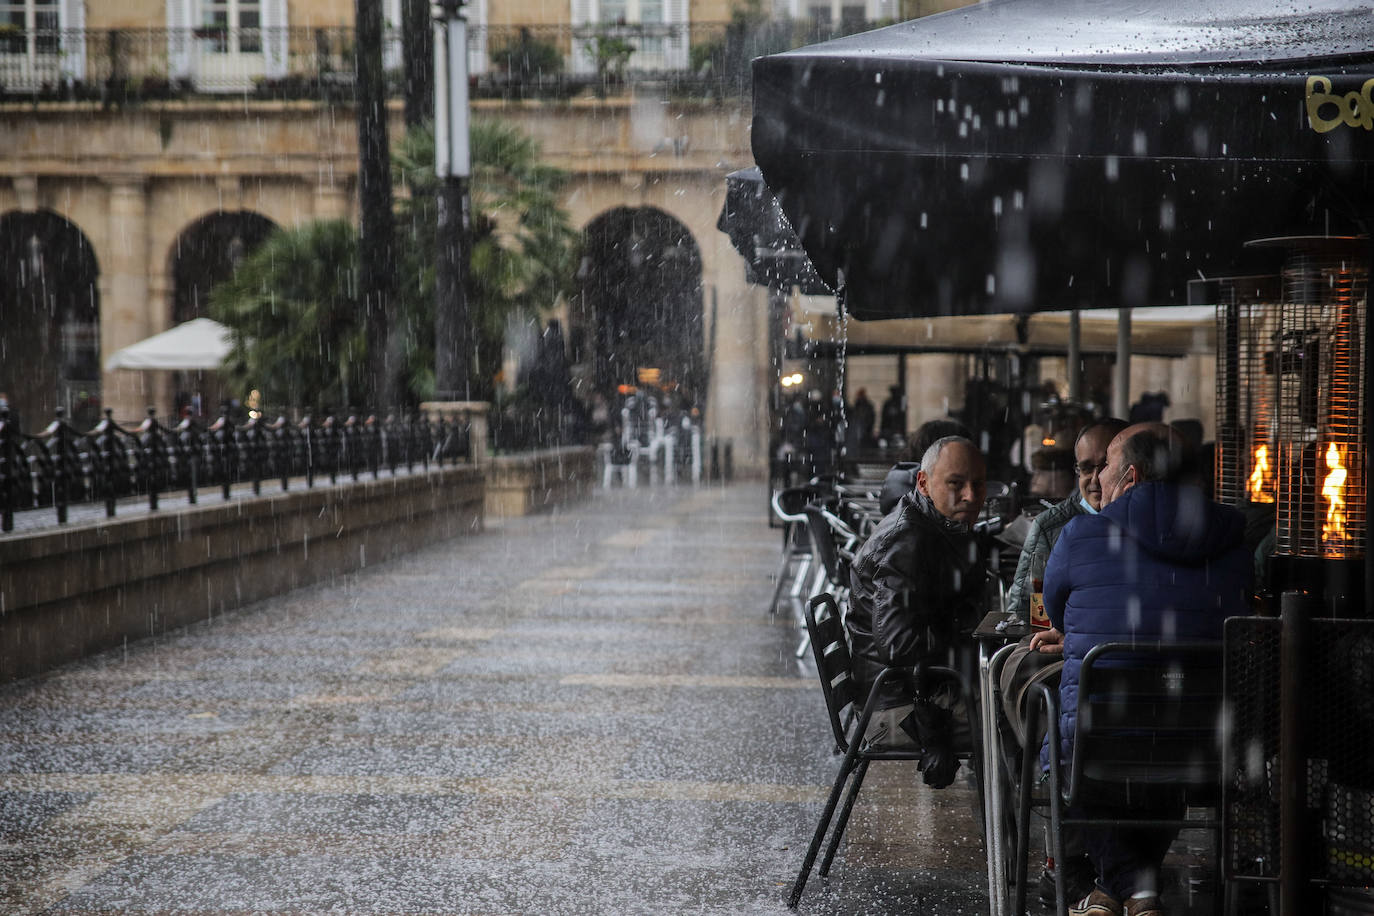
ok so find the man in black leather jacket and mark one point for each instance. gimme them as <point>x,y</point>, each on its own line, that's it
<point>901,480</point>
<point>916,591</point>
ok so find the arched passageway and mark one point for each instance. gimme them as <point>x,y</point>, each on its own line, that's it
<point>640,301</point>
<point>207,253</point>
<point>49,319</point>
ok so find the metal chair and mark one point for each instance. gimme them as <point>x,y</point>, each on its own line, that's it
<point>832,543</point>
<point>830,649</point>
<point>787,505</point>
<point>1149,716</point>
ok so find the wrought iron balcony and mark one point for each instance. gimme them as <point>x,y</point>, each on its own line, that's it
<point>121,66</point>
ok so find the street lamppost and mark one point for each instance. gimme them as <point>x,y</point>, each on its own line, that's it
<point>453,339</point>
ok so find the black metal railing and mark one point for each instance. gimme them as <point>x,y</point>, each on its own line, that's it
<point>119,66</point>
<point>61,466</point>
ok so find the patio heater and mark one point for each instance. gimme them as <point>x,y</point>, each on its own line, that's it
<point>1247,327</point>
<point>1316,366</point>
<point>1300,794</point>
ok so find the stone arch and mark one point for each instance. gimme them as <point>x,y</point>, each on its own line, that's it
<point>639,301</point>
<point>203,254</point>
<point>49,319</point>
<point>207,252</point>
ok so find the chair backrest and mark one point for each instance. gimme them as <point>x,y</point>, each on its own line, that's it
<point>789,502</point>
<point>823,544</point>
<point>1150,713</point>
<point>831,652</point>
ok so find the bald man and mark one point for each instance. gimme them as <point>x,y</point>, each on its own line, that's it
<point>1159,562</point>
<point>916,587</point>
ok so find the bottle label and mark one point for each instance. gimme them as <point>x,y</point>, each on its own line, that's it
<point>1038,618</point>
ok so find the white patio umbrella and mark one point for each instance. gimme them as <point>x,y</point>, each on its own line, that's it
<point>201,343</point>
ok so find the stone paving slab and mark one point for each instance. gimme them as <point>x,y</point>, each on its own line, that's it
<point>588,711</point>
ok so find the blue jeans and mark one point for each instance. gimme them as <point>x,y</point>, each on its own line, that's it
<point>1128,858</point>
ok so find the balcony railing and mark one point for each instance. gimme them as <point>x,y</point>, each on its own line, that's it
<point>119,66</point>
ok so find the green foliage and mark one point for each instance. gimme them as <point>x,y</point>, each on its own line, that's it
<point>293,304</point>
<point>707,56</point>
<point>523,251</point>
<point>293,308</point>
<point>526,56</point>
<point>610,54</point>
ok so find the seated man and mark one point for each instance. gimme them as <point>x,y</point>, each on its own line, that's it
<point>901,479</point>
<point>1160,561</point>
<point>916,588</point>
<point>1090,456</point>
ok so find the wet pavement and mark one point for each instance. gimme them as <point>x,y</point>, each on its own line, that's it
<point>584,712</point>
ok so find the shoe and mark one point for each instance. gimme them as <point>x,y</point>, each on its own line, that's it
<point>1098,903</point>
<point>1079,877</point>
<point>1143,906</point>
<point>1079,880</point>
<point>1045,889</point>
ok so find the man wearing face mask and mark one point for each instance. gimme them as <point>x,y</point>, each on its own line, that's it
<point>916,590</point>
<point>1090,457</point>
<point>1159,562</point>
<point>1027,667</point>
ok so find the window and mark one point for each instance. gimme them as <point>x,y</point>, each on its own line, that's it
<point>29,27</point>
<point>226,45</point>
<point>233,26</point>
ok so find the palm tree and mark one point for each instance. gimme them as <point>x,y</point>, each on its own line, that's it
<point>522,252</point>
<point>293,303</point>
<point>299,334</point>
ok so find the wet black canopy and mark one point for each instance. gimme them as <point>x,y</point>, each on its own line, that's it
<point>1024,155</point>
<point>758,230</point>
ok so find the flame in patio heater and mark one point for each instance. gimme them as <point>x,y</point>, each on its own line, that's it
<point>1261,484</point>
<point>1333,491</point>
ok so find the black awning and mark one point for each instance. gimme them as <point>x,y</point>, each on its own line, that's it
<point>758,230</point>
<point>1024,155</point>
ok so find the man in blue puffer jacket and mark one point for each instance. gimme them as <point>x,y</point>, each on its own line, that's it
<point>1160,561</point>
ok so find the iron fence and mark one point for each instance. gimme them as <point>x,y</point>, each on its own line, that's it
<point>61,465</point>
<point>120,66</point>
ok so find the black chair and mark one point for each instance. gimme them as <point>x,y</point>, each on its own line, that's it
<point>1149,717</point>
<point>796,544</point>
<point>831,652</point>
<point>833,543</point>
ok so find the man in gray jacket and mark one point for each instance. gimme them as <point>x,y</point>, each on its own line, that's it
<point>1090,456</point>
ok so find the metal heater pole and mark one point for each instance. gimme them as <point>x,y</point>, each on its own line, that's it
<point>1296,609</point>
<point>1368,407</point>
<point>1231,436</point>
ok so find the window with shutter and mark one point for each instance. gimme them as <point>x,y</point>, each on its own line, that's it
<point>229,54</point>
<point>72,20</point>
<point>180,44</point>
<point>30,44</point>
